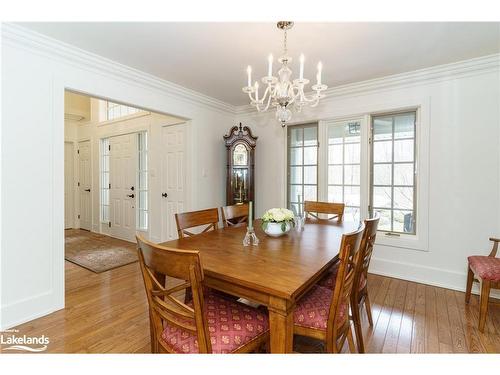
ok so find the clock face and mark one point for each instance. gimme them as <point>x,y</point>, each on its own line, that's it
<point>240,155</point>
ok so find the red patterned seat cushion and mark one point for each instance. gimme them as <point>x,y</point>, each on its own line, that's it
<point>230,324</point>
<point>312,310</point>
<point>328,281</point>
<point>487,268</point>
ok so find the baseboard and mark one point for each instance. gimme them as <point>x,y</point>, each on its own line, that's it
<point>424,275</point>
<point>31,308</point>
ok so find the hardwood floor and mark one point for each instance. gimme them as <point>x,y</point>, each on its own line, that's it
<point>107,313</point>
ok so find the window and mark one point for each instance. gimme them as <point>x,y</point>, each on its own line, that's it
<point>302,164</point>
<point>142,179</point>
<point>114,110</point>
<point>393,187</point>
<point>104,188</point>
<point>344,166</point>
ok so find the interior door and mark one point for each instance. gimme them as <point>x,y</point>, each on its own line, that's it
<point>84,184</point>
<point>172,178</point>
<point>68,185</point>
<point>122,176</point>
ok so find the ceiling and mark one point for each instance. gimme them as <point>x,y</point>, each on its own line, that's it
<point>211,58</point>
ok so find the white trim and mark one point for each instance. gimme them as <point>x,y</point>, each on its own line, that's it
<point>57,50</point>
<point>418,273</point>
<point>470,67</point>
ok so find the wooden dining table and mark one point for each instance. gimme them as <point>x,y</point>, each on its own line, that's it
<point>274,273</point>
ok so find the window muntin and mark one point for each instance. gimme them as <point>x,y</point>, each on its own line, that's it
<point>344,166</point>
<point>142,182</point>
<point>115,110</point>
<point>392,170</point>
<point>302,175</point>
<point>104,188</point>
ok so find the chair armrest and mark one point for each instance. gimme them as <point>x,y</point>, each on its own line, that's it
<point>494,239</point>
<point>495,246</point>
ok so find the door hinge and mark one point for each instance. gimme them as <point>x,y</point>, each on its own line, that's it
<point>370,140</point>
<point>78,216</point>
<point>109,224</point>
<point>78,183</point>
<point>109,186</point>
<point>77,151</point>
<point>109,147</point>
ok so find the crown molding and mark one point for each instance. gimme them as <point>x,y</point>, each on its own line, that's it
<point>19,36</point>
<point>477,65</point>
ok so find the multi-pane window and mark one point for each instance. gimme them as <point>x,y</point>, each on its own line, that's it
<point>104,188</point>
<point>393,172</point>
<point>302,164</point>
<point>115,110</point>
<point>142,179</point>
<point>344,164</point>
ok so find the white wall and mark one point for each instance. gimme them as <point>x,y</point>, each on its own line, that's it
<point>35,72</point>
<point>463,105</point>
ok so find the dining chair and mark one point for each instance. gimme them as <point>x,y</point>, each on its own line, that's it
<point>485,270</point>
<point>235,215</point>
<point>323,313</point>
<point>209,323</point>
<point>314,209</point>
<point>359,295</point>
<point>188,220</point>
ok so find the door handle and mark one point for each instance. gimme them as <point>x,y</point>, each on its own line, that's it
<point>164,195</point>
<point>87,190</point>
<point>132,188</point>
<point>131,196</point>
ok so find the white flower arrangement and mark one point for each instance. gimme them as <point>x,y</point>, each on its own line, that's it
<point>278,215</point>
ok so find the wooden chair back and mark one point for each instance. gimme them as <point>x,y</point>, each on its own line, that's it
<point>234,215</point>
<point>366,250</point>
<point>164,307</point>
<point>187,220</point>
<point>315,208</point>
<point>349,256</point>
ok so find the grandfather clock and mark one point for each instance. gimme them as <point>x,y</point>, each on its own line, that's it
<point>240,146</point>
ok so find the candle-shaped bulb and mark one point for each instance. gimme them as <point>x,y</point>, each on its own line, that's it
<point>256,91</point>
<point>249,75</point>
<point>302,58</point>
<point>320,68</point>
<point>270,65</point>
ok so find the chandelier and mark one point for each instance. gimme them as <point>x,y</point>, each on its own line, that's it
<point>282,92</point>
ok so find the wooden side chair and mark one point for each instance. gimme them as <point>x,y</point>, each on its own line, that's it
<point>188,220</point>
<point>315,208</point>
<point>359,295</point>
<point>323,313</point>
<point>209,323</point>
<point>485,270</point>
<point>235,215</point>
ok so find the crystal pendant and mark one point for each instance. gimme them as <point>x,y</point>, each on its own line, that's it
<point>283,114</point>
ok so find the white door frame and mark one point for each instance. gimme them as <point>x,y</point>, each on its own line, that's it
<point>91,182</point>
<point>73,189</point>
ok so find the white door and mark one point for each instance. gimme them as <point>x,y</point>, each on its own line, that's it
<point>122,177</point>
<point>173,178</point>
<point>84,183</point>
<point>68,185</point>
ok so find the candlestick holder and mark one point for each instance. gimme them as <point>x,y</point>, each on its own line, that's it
<point>250,238</point>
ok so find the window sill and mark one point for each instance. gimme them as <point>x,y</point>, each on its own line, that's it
<point>403,241</point>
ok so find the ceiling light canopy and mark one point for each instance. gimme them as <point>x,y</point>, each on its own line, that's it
<point>282,92</point>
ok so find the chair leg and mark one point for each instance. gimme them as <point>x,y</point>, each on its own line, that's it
<point>356,317</point>
<point>483,306</point>
<point>368,308</point>
<point>470,280</point>
<point>350,341</point>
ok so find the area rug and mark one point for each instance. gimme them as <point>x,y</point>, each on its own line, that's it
<point>96,252</point>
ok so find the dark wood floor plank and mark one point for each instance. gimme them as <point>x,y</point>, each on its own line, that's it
<point>458,341</point>
<point>405,333</point>
<point>394,326</point>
